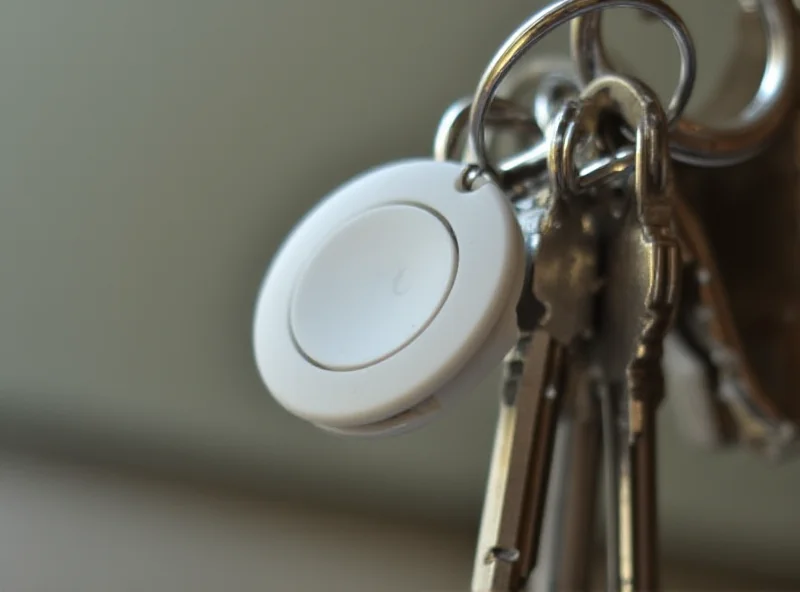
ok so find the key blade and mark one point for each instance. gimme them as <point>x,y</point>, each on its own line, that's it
<point>567,542</point>
<point>518,476</point>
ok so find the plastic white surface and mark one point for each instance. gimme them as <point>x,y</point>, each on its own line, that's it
<point>467,337</point>
<point>472,373</point>
<point>378,280</point>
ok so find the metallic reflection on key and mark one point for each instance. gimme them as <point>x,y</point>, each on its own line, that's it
<point>560,291</point>
<point>556,510</point>
<point>508,542</point>
<point>530,400</point>
<point>567,539</point>
<point>642,286</point>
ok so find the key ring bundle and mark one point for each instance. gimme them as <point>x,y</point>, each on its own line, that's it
<point>600,261</point>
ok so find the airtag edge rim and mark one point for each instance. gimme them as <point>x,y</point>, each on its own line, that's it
<point>491,255</point>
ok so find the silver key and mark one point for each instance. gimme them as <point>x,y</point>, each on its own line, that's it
<point>745,332</point>
<point>531,371</point>
<point>565,277</point>
<point>567,539</point>
<point>534,382</point>
<point>533,393</point>
<point>642,278</point>
<point>512,516</point>
<point>565,280</point>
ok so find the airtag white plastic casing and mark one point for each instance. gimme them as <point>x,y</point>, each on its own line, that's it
<point>397,291</point>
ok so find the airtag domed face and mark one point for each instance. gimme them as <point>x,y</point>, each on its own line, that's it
<point>395,294</point>
<point>373,286</point>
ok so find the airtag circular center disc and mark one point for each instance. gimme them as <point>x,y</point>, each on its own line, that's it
<point>372,287</point>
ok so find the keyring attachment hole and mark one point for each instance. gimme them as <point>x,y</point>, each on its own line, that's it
<point>470,179</point>
<point>610,132</point>
<point>638,45</point>
<point>501,554</point>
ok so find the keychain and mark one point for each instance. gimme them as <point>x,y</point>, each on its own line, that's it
<point>583,262</point>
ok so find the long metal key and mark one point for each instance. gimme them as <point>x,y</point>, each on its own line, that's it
<point>539,374</point>
<point>566,276</point>
<point>511,526</point>
<point>512,514</point>
<point>567,540</point>
<point>642,281</point>
<point>506,546</point>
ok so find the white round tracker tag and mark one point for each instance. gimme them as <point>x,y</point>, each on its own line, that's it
<point>398,290</point>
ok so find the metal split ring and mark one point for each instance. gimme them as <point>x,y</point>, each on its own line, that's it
<point>543,22</point>
<point>690,141</point>
<point>561,138</point>
<point>504,113</point>
<point>638,106</point>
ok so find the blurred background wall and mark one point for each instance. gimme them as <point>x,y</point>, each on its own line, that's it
<point>74,528</point>
<point>154,154</point>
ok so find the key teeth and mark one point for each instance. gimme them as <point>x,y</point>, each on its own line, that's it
<point>661,310</point>
<point>513,368</point>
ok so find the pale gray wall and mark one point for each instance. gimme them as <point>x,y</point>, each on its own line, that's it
<point>66,528</point>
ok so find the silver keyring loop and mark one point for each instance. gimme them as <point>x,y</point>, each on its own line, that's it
<point>543,22</point>
<point>638,106</point>
<point>690,141</point>
<point>503,114</point>
<point>560,136</point>
<point>551,92</point>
